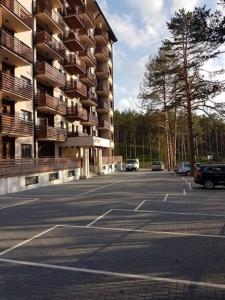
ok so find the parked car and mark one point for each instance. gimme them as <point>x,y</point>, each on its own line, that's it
<point>132,164</point>
<point>157,166</point>
<point>185,168</point>
<point>210,176</point>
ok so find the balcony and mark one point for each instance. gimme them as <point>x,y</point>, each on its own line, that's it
<point>48,46</point>
<point>102,54</point>
<point>14,88</point>
<point>71,16</point>
<point>87,38</point>
<point>72,41</point>
<point>102,72</point>
<point>104,125</point>
<point>49,133</point>
<point>103,90</point>
<point>86,17</point>
<point>90,121</point>
<point>75,113</point>
<point>15,16</point>
<point>104,106</point>
<point>13,51</point>
<point>89,79</point>
<point>75,88</point>
<point>88,57</point>
<point>46,103</point>
<point>76,134</point>
<point>90,100</point>
<point>76,2</point>
<point>74,65</point>
<point>48,75</point>
<point>48,17</point>
<point>102,37</point>
<point>57,3</point>
<point>15,127</point>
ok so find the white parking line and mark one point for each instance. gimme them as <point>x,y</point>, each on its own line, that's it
<point>165,199</point>
<point>99,218</point>
<point>189,202</point>
<point>17,204</point>
<point>116,274</point>
<point>146,231</point>
<point>27,241</point>
<point>189,184</point>
<point>139,205</point>
<point>171,213</point>
<point>184,192</point>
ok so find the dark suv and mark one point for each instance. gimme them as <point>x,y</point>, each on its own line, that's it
<point>210,176</point>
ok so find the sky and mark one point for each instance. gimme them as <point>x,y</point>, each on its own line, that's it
<point>140,26</point>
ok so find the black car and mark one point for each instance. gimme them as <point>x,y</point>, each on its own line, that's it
<point>210,176</point>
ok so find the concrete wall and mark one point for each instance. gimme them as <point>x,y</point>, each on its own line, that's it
<point>17,184</point>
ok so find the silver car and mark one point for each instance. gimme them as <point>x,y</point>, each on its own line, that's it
<point>157,166</point>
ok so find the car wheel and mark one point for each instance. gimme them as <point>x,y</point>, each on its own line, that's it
<point>209,185</point>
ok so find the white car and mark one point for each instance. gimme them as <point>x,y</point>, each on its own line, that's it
<point>157,166</point>
<point>132,164</point>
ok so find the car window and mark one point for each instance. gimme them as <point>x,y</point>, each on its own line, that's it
<point>131,161</point>
<point>187,165</point>
<point>156,163</point>
<point>213,169</point>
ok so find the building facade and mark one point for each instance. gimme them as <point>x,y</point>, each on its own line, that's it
<point>56,82</point>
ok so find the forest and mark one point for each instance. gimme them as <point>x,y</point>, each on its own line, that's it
<point>142,135</point>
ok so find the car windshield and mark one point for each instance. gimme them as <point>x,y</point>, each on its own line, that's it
<point>187,165</point>
<point>156,163</point>
<point>131,161</point>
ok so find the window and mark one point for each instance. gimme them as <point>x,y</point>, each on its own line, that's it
<point>62,124</point>
<point>53,176</point>
<point>31,180</point>
<point>61,98</point>
<point>71,173</point>
<point>25,115</point>
<point>26,151</point>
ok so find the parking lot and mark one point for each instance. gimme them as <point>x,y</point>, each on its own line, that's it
<point>131,235</point>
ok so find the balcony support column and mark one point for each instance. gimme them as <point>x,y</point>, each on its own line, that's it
<point>85,170</point>
<point>99,160</point>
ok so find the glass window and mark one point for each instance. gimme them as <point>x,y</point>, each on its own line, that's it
<point>26,151</point>
<point>25,115</point>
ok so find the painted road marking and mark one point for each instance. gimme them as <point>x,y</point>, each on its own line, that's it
<point>27,241</point>
<point>20,203</point>
<point>99,218</point>
<point>147,231</point>
<point>169,212</point>
<point>140,205</point>
<point>189,184</point>
<point>184,192</point>
<point>116,274</point>
<point>165,199</point>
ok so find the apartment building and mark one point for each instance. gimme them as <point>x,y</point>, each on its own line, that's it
<point>56,83</point>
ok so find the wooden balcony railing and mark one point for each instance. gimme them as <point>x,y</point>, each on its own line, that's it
<point>45,102</point>
<point>102,53</point>
<point>103,124</point>
<point>111,160</point>
<point>93,119</point>
<point>101,36</point>
<point>87,38</point>
<point>43,37</point>
<point>14,126</point>
<point>86,17</point>
<point>76,113</point>
<point>76,2</point>
<point>14,86</point>
<point>43,6</point>
<point>72,40</point>
<point>76,134</point>
<point>88,58</point>
<point>18,167</point>
<point>89,78</point>
<point>71,16</point>
<point>75,88</point>
<point>50,133</point>
<point>74,65</point>
<point>16,46</point>
<point>102,72</point>
<point>51,73</point>
<point>104,105</point>
<point>19,11</point>
<point>103,89</point>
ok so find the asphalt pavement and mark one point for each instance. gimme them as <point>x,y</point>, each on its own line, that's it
<point>130,235</point>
